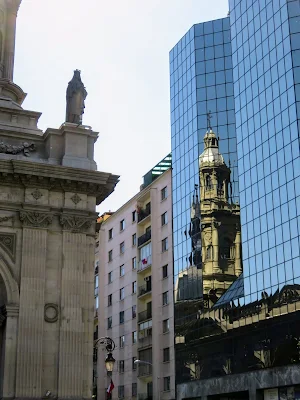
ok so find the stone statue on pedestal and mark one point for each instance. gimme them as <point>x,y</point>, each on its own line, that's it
<point>76,95</point>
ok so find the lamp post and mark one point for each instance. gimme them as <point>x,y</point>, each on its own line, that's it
<point>149,363</point>
<point>110,346</point>
<point>109,360</point>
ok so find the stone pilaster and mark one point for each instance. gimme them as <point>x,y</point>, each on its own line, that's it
<point>89,317</point>
<point>72,331</point>
<point>31,316</point>
<point>11,327</point>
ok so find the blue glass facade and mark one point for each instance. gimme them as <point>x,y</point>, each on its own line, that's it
<point>245,70</point>
<point>266,59</point>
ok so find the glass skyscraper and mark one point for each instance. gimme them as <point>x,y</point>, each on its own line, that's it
<point>235,104</point>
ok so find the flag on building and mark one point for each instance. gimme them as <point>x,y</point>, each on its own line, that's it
<point>110,387</point>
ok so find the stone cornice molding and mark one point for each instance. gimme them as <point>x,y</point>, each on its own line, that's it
<point>75,223</point>
<point>57,177</point>
<point>34,219</point>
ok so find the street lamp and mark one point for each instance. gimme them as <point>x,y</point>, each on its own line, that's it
<point>110,346</point>
<point>149,363</point>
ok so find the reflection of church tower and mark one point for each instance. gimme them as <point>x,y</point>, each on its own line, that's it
<point>220,221</point>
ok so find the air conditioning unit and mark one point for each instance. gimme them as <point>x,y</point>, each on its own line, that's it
<point>148,278</point>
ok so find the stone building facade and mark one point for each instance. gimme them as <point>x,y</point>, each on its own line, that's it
<point>49,188</point>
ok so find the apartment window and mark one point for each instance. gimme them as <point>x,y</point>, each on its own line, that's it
<point>121,366</point>
<point>166,325</point>
<point>122,225</point>
<point>165,271</point>
<point>96,267</point>
<point>96,284</point>
<point>164,218</point>
<point>122,293</point>
<point>134,337</point>
<point>97,302</point>
<point>110,255</point>
<point>121,392</point>
<point>110,234</point>
<point>109,322</point>
<point>134,239</point>
<point>166,354</point>
<point>121,316</point>
<point>133,216</point>
<point>134,287</point>
<point>133,312</point>
<point>164,244</point>
<point>109,300</point>
<point>167,383</point>
<point>122,341</point>
<point>164,193</point>
<point>133,363</point>
<point>134,388</point>
<point>165,298</point>
<point>134,263</point>
<point>122,247</point>
<point>122,270</point>
<point>110,277</point>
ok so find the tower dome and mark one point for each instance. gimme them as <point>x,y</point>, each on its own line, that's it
<point>211,152</point>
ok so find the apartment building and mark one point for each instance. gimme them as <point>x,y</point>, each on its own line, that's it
<point>135,283</point>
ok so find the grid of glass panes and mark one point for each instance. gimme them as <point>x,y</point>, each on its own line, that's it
<point>266,60</point>
<point>201,81</point>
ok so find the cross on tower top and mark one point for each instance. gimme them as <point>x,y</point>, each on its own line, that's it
<point>209,117</point>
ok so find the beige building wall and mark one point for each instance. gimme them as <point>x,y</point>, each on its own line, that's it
<point>142,283</point>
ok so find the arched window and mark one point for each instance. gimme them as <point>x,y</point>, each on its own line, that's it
<point>208,184</point>
<point>209,252</point>
<point>226,249</point>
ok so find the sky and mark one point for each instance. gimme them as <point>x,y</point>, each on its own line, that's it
<point>122,49</point>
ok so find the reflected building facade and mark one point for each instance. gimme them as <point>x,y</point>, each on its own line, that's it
<point>236,203</point>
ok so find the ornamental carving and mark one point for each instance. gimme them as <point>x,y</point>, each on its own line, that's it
<point>75,198</point>
<point>35,219</point>
<point>8,244</point>
<point>76,224</point>
<point>36,194</point>
<point>25,148</point>
<point>5,219</point>
<point>51,312</point>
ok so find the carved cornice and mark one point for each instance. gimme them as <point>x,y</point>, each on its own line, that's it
<point>36,219</point>
<point>75,223</point>
<point>57,178</point>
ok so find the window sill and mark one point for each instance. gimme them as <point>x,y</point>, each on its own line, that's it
<point>165,305</point>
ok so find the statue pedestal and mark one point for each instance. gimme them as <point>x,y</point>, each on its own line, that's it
<point>73,144</point>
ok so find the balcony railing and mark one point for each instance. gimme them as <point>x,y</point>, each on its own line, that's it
<point>144,369</point>
<point>143,213</point>
<point>145,263</point>
<point>144,315</point>
<point>145,341</point>
<point>145,289</point>
<point>144,238</point>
